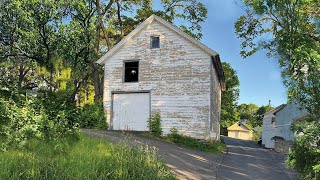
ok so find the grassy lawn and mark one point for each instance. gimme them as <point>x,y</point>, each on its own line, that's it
<point>88,158</point>
<point>186,141</point>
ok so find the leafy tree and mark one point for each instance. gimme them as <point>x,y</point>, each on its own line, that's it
<point>292,28</point>
<point>29,32</point>
<point>229,98</point>
<point>252,113</point>
<point>77,50</point>
<point>259,114</point>
<point>247,111</point>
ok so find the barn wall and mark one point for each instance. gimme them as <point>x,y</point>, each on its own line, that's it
<point>177,75</point>
<point>215,104</point>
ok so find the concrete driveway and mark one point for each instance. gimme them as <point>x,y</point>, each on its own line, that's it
<point>247,160</point>
<point>184,162</point>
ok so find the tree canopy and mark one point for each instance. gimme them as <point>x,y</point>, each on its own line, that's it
<point>57,42</point>
<point>229,99</point>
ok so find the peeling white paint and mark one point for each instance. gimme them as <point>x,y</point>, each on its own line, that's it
<point>178,76</point>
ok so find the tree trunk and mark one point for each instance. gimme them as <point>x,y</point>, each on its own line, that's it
<point>75,91</point>
<point>95,74</point>
<point>21,75</point>
<point>97,83</point>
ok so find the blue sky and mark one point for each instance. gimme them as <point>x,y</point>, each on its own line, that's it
<point>259,76</point>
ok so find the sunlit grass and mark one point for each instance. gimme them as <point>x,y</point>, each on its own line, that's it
<point>88,158</point>
<point>186,141</point>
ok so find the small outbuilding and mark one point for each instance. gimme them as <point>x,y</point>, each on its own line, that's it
<point>240,131</point>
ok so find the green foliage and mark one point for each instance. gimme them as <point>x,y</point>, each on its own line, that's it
<point>229,99</point>
<point>175,137</point>
<point>305,154</point>
<point>252,113</point>
<point>247,111</point>
<point>257,133</point>
<point>92,116</point>
<point>88,158</point>
<point>154,124</point>
<point>38,117</point>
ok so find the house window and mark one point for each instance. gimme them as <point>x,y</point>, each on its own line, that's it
<point>154,42</point>
<point>131,72</point>
<point>273,120</point>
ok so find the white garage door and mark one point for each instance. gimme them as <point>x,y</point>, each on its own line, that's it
<point>131,111</point>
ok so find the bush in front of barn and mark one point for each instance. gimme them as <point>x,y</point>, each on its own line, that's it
<point>92,116</point>
<point>154,124</point>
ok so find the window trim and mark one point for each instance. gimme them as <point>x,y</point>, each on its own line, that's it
<point>153,36</point>
<point>124,70</point>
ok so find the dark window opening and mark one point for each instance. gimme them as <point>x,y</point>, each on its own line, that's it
<point>131,72</point>
<point>273,120</point>
<point>155,42</point>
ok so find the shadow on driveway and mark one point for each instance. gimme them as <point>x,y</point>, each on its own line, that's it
<point>184,162</point>
<point>247,160</point>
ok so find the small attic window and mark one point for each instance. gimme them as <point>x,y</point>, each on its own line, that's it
<point>154,42</point>
<point>131,72</point>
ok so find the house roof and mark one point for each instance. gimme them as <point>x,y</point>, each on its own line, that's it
<point>236,127</point>
<point>148,21</point>
<point>275,110</point>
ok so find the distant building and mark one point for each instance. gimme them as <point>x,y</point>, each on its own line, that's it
<point>268,127</point>
<point>240,131</point>
<point>276,126</point>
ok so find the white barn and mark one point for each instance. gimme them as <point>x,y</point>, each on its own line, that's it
<point>159,68</point>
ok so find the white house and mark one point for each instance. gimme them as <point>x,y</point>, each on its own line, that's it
<point>159,68</point>
<point>277,123</point>
<point>268,127</point>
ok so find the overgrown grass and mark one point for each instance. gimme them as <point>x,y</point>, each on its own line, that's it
<point>88,158</point>
<point>187,141</point>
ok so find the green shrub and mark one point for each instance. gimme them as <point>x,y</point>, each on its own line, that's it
<point>43,117</point>
<point>154,124</point>
<point>304,156</point>
<point>87,158</point>
<point>92,116</point>
<point>257,134</point>
<point>188,141</point>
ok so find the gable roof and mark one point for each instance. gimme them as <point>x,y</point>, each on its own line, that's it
<point>236,127</point>
<point>275,110</point>
<point>148,21</point>
<point>214,55</point>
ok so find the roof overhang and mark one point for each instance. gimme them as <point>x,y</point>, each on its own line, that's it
<point>219,69</point>
<point>275,110</point>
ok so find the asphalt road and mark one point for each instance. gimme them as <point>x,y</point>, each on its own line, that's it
<point>244,160</point>
<point>247,160</point>
<point>185,163</point>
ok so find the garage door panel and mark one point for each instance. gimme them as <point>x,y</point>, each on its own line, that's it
<point>131,111</point>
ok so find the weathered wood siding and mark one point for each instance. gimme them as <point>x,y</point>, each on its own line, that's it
<point>215,104</point>
<point>178,76</point>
